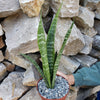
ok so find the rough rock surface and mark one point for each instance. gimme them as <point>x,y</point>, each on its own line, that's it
<point>3,71</point>
<point>96,42</point>
<point>12,87</point>
<point>88,31</point>
<point>1,31</point>
<point>88,45</point>
<point>85,18</point>
<point>70,8</point>
<point>1,56</point>
<point>75,42</point>
<point>21,37</point>
<point>93,5</point>
<point>45,8</point>
<point>8,7</point>
<point>31,7</point>
<point>31,95</point>
<point>1,42</point>
<point>97,26</point>
<point>68,65</point>
<point>97,12</point>
<point>85,60</point>
<point>9,66</point>
<point>31,76</point>
<point>95,53</point>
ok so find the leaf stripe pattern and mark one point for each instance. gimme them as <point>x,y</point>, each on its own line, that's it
<point>43,50</point>
<point>60,53</point>
<point>50,42</point>
<point>36,65</point>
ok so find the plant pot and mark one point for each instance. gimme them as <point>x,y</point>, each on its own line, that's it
<point>43,98</point>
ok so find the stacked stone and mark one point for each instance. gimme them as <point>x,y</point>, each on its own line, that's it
<point>19,20</point>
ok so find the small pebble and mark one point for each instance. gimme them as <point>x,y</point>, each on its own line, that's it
<point>61,88</point>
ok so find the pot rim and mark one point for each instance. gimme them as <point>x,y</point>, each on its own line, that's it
<point>53,99</point>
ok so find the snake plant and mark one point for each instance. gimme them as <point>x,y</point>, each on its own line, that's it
<point>50,59</point>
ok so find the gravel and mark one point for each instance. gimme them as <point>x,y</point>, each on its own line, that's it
<point>61,88</point>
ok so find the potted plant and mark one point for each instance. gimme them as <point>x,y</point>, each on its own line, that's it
<point>51,86</point>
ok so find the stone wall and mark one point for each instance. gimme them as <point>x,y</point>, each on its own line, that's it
<point>19,20</point>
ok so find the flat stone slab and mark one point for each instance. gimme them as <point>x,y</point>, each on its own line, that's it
<point>12,88</point>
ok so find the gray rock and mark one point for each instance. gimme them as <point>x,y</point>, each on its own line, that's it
<point>91,4</point>
<point>31,95</point>
<point>85,18</point>
<point>95,53</point>
<point>1,56</point>
<point>69,8</point>
<point>31,76</point>
<point>31,7</point>
<point>96,42</point>
<point>85,60</point>
<point>1,31</point>
<point>75,42</point>
<point>3,71</point>
<point>8,7</point>
<point>97,26</point>
<point>45,8</point>
<point>68,65</point>
<point>88,45</point>
<point>97,12</point>
<point>12,88</point>
<point>21,36</point>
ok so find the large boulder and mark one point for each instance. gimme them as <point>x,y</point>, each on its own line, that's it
<point>85,18</point>
<point>21,37</point>
<point>12,87</point>
<point>31,7</point>
<point>8,7</point>
<point>97,12</point>
<point>75,42</point>
<point>69,8</point>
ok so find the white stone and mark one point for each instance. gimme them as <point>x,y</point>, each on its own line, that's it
<point>31,7</point>
<point>31,76</point>
<point>3,71</point>
<point>31,95</point>
<point>85,18</point>
<point>1,31</point>
<point>70,8</point>
<point>85,60</point>
<point>12,87</point>
<point>21,36</point>
<point>75,42</point>
<point>68,65</point>
<point>8,7</point>
<point>1,56</point>
<point>88,45</point>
